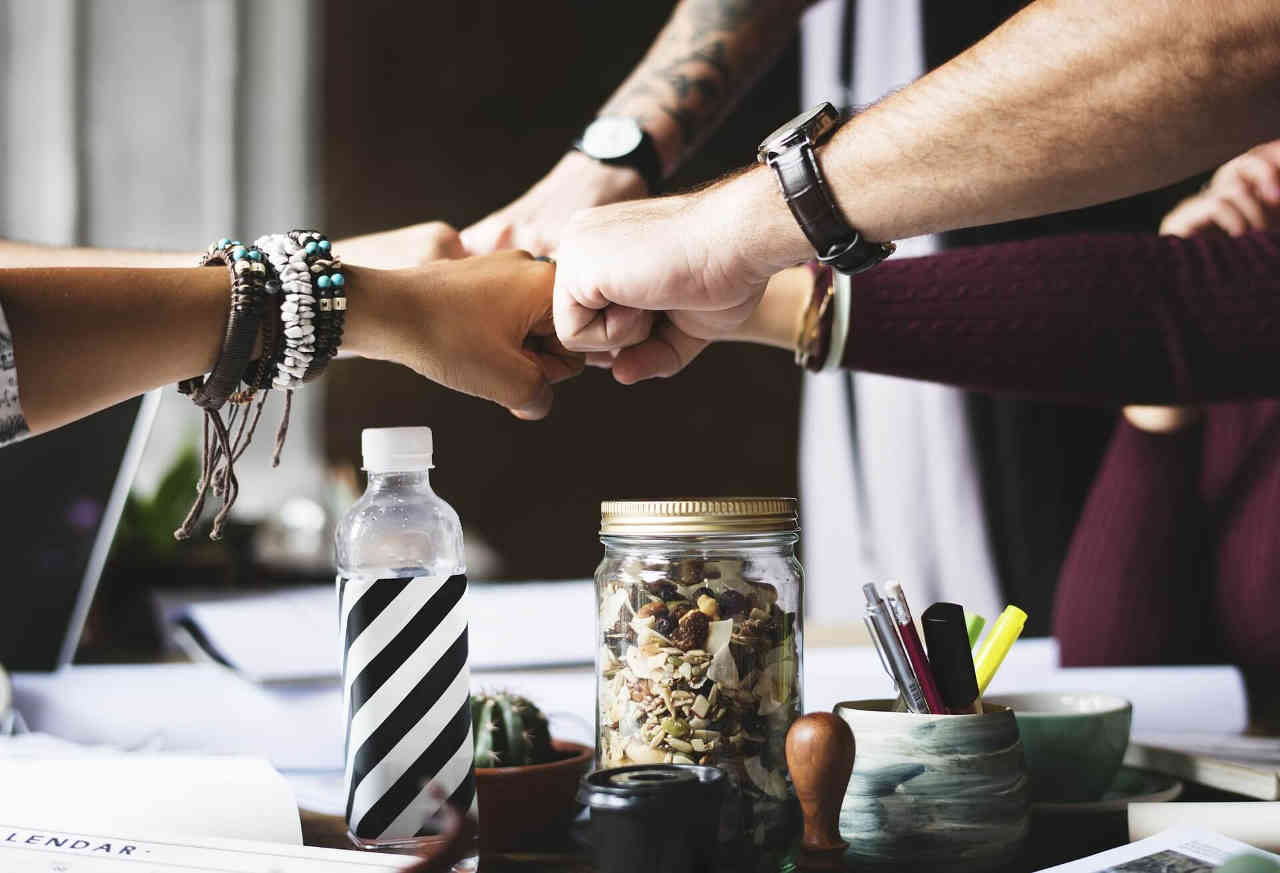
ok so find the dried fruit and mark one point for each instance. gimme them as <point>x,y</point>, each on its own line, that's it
<point>733,603</point>
<point>665,624</point>
<point>688,571</point>
<point>691,632</point>
<point>708,606</point>
<point>663,589</point>
<point>678,608</point>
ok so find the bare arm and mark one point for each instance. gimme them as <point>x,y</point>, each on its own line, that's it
<point>24,254</point>
<point>1071,102</point>
<point>702,63</point>
<point>85,338</point>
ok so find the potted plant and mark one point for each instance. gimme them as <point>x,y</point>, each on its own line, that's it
<point>526,781</point>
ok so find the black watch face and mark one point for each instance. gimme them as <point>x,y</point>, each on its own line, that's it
<point>611,137</point>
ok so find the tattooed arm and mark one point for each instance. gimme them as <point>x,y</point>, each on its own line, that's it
<point>705,59</point>
<point>701,64</point>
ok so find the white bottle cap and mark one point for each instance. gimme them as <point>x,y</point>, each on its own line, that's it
<point>396,449</point>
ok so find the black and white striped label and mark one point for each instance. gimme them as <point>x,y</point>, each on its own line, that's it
<point>407,696</point>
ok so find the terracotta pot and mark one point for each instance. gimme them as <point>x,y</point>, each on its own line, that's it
<point>532,805</point>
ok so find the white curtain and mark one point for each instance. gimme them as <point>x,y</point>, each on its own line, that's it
<point>888,471</point>
<point>163,124</point>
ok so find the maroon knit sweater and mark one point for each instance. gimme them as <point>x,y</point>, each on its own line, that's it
<point>1176,556</point>
<point>1097,318</point>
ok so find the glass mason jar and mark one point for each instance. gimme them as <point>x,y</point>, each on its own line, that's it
<point>699,659</point>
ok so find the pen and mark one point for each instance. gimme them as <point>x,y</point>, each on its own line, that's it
<point>974,624</point>
<point>915,649</point>
<point>992,652</point>
<point>881,625</point>
<point>952,659</point>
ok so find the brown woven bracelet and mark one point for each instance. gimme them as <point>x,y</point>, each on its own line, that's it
<point>248,272</point>
<point>248,284</point>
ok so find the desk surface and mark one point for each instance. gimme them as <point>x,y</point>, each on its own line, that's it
<point>1054,839</point>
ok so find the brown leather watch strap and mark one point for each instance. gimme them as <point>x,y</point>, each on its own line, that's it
<point>810,201</point>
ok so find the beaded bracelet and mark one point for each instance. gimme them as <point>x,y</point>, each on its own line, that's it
<point>297,309</point>
<point>329,284</point>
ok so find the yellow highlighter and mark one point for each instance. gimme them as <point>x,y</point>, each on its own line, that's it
<point>1000,638</point>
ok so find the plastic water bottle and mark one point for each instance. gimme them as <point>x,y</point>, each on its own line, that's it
<point>403,630</point>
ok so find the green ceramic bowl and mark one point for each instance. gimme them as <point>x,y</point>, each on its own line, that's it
<point>1074,742</point>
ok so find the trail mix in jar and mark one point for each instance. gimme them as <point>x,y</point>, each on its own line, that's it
<point>699,665</point>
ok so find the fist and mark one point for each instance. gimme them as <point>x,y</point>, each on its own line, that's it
<point>650,282</point>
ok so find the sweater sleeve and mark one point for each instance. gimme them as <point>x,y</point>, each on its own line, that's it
<point>1091,318</point>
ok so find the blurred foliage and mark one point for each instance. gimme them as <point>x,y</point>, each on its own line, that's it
<point>147,525</point>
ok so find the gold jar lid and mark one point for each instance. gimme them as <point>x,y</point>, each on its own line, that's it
<point>699,515</point>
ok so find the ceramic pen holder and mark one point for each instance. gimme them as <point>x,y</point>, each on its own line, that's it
<point>944,793</point>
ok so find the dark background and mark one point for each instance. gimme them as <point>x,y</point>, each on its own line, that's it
<point>453,112</point>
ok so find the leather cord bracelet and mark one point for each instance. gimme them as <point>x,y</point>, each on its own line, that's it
<point>248,272</point>
<point>292,288</point>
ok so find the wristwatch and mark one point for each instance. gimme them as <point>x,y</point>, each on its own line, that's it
<point>789,150</point>
<point>621,142</point>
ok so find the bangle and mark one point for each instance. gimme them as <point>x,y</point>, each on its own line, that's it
<point>249,275</point>
<point>248,285</point>
<point>815,327</point>
<point>841,309</point>
<point>297,310</point>
<point>329,283</point>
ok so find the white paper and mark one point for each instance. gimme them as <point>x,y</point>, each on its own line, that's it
<point>1255,823</point>
<point>28,848</point>
<point>200,708</point>
<point>1187,851</point>
<point>293,634</point>
<point>240,798</point>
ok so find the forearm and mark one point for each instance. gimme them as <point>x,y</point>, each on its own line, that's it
<point>1100,319</point>
<point>703,62</point>
<point>1070,103</point>
<point>1103,319</point>
<point>87,338</point>
<point>24,254</point>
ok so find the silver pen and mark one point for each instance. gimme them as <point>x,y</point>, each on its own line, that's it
<point>885,635</point>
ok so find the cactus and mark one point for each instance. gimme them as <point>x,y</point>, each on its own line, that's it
<point>509,731</point>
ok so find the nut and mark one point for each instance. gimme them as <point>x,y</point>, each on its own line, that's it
<point>679,745</point>
<point>653,607</point>
<point>708,606</point>
<point>676,727</point>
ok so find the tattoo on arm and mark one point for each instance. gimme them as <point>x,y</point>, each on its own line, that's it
<point>704,60</point>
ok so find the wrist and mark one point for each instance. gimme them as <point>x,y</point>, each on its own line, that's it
<point>608,183</point>
<point>777,320</point>
<point>371,310</point>
<point>761,230</point>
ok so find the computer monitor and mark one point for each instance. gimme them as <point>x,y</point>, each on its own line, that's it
<point>63,495</point>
